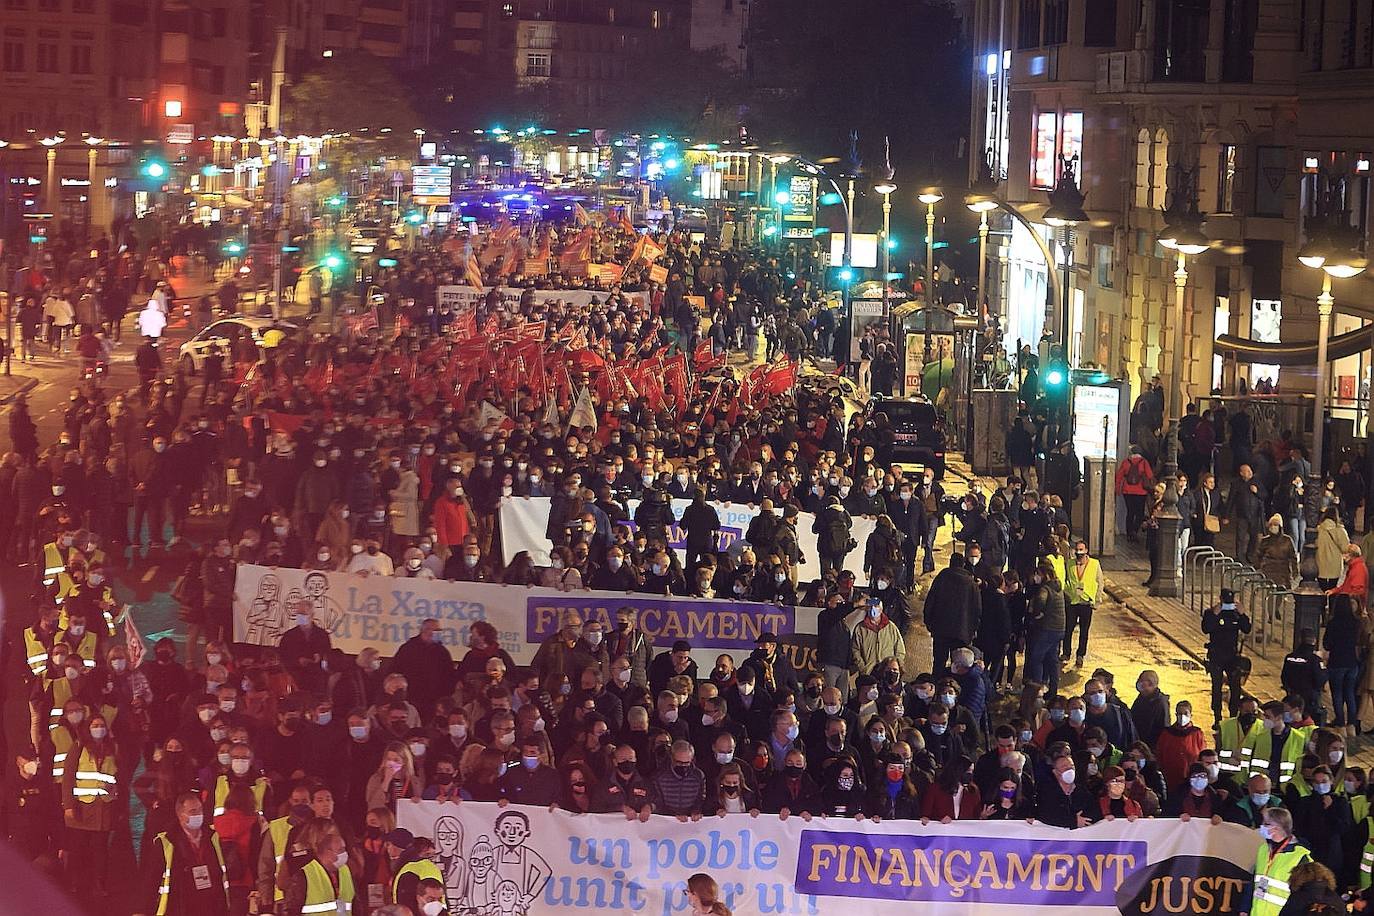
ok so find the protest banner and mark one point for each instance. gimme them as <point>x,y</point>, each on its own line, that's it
<point>533,861</point>
<point>524,521</point>
<point>460,298</point>
<point>382,612</point>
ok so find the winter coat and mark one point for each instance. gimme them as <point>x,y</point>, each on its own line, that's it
<point>869,646</point>
<point>404,510</point>
<point>1277,559</point>
<point>1331,544</point>
<point>953,606</point>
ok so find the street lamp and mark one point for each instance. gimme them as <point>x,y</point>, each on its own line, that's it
<point>1332,250</point>
<point>982,199</point>
<point>886,186</point>
<point>930,196</point>
<point>1065,212</point>
<point>1184,236</point>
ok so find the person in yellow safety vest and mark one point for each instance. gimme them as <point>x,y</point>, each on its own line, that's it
<point>1277,749</point>
<point>1300,786</point>
<point>1354,786</point>
<point>39,639</point>
<point>86,546</point>
<point>405,886</point>
<point>72,576</point>
<point>324,884</point>
<point>189,877</point>
<point>240,773</point>
<point>276,843</point>
<point>94,597</point>
<point>1082,585</point>
<point>1234,733</point>
<point>90,790</point>
<point>49,693</point>
<point>66,735</point>
<point>1275,860</point>
<point>56,553</point>
<point>82,641</point>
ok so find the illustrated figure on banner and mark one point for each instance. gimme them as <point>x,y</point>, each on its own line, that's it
<point>315,593</point>
<point>267,614</point>
<point>500,880</point>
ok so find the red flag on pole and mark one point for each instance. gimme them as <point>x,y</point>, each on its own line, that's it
<point>133,642</point>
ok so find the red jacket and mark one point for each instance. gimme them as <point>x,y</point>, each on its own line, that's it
<point>1143,471</point>
<point>1132,806</point>
<point>1356,582</point>
<point>937,804</point>
<point>451,520</point>
<point>240,832</point>
<point>1174,753</point>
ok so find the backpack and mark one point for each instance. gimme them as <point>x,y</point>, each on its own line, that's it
<point>1133,476</point>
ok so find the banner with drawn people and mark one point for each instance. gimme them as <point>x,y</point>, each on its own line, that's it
<point>523,861</point>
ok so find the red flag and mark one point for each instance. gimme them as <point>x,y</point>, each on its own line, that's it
<point>625,223</point>
<point>580,215</point>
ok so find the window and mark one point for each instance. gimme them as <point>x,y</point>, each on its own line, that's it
<point>81,59</point>
<point>1238,52</point>
<point>1099,26</point>
<point>1043,169</point>
<point>508,11</point>
<point>1028,25</point>
<point>47,57</point>
<point>537,65</point>
<point>1181,40</point>
<point>1226,178</point>
<point>12,54</point>
<point>1071,143</point>
<point>1056,22</point>
<point>1104,262</point>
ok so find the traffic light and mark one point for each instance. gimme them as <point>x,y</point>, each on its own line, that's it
<point>153,168</point>
<point>386,262</point>
<point>891,244</point>
<point>415,217</point>
<point>333,260</point>
<point>335,201</point>
<point>233,248</point>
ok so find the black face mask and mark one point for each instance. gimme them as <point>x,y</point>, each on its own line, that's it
<point>443,779</point>
<point>682,769</point>
<point>794,772</point>
<point>730,790</point>
<point>625,767</point>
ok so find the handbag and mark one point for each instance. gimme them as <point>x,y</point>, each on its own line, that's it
<point>1211,524</point>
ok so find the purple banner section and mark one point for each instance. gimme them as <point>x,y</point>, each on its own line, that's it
<point>965,869</point>
<point>705,624</point>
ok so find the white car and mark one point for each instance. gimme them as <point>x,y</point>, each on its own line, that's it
<point>226,334</point>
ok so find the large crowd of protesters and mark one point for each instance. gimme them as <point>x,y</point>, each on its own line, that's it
<point>269,778</point>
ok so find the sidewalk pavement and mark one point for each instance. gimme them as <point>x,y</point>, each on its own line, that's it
<point>11,386</point>
<point>1133,630</point>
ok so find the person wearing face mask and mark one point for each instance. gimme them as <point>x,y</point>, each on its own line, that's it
<point>428,667</point>
<point>952,609</point>
<point>88,796</point>
<point>1278,856</point>
<point>185,873</point>
<point>843,793</point>
<point>1179,745</point>
<point>35,814</point>
<point>305,649</point>
<point>1323,817</point>
<point>1249,807</point>
<point>874,640</point>
<point>324,883</point>
<point>679,789</point>
<point>532,782</point>
<point>318,491</point>
<point>1276,750</point>
<point>1195,797</point>
<point>150,473</point>
<point>241,773</point>
<point>1225,624</point>
<point>792,791</point>
<point>1062,801</point>
<point>954,794</point>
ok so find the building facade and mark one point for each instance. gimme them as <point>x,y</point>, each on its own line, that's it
<point>1146,98</point>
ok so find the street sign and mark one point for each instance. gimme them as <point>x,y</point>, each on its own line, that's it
<point>431,184</point>
<point>181,133</point>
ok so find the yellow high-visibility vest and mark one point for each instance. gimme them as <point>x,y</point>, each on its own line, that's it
<point>1271,877</point>
<point>54,564</point>
<point>36,652</point>
<point>222,792</point>
<point>83,647</point>
<point>1233,750</point>
<point>164,891</point>
<point>95,780</point>
<point>63,740</point>
<point>1260,748</point>
<point>422,867</point>
<point>320,896</point>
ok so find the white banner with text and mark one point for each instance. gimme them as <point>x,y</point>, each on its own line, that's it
<point>532,861</point>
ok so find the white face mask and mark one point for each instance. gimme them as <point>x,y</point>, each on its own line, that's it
<point>341,860</point>
<point>623,676</point>
<point>194,821</point>
<point>433,908</point>
<point>458,732</point>
<point>240,765</point>
<point>119,665</point>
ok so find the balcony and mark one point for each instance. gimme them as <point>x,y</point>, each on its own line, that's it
<point>1120,71</point>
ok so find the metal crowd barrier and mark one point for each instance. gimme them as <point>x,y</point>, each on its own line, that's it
<point>1206,571</point>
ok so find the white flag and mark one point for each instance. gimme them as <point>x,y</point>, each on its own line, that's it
<point>583,412</point>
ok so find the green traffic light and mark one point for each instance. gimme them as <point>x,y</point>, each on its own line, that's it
<point>830,199</point>
<point>891,244</point>
<point>846,274</point>
<point>783,198</point>
<point>1054,378</point>
<point>233,247</point>
<point>333,261</point>
<point>335,201</point>
<point>154,169</point>
<point>415,218</point>
<point>386,262</point>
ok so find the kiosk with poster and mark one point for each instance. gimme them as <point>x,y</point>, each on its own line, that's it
<point>930,353</point>
<point>1101,437</point>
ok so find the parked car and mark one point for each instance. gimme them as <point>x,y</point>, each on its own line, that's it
<point>918,432</point>
<point>228,333</point>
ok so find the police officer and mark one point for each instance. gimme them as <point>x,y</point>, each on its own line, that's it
<point>1225,623</point>
<point>1304,674</point>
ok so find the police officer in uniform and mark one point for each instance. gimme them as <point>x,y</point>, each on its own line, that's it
<point>1225,624</point>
